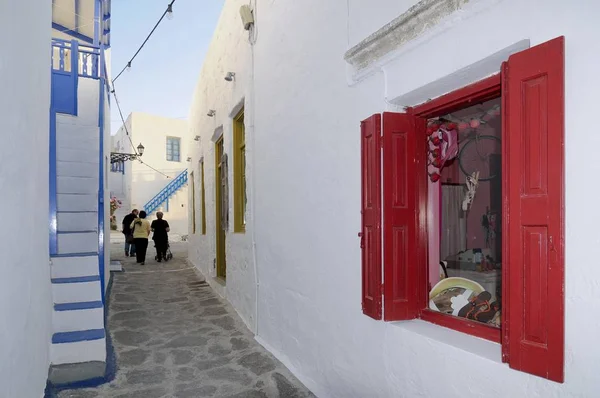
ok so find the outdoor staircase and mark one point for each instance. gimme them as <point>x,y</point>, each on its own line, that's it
<point>166,193</point>
<point>78,345</point>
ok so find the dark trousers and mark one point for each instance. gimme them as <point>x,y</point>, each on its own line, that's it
<point>141,245</point>
<point>161,248</point>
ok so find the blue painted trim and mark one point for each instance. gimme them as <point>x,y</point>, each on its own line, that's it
<point>80,335</point>
<point>77,8</point>
<point>82,305</point>
<point>101,164</point>
<point>76,279</point>
<point>77,35</point>
<point>75,211</point>
<point>52,219</point>
<point>84,254</point>
<point>111,362</point>
<point>97,23</point>
<point>75,232</point>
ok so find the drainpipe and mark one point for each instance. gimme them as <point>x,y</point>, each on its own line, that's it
<point>252,39</point>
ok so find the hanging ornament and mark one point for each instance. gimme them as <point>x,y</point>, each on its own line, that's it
<point>474,123</point>
<point>443,146</point>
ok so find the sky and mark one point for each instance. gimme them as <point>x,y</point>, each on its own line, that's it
<point>163,76</point>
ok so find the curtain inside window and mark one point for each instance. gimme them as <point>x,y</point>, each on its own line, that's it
<point>453,239</point>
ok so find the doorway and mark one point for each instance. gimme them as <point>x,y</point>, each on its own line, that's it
<point>221,207</point>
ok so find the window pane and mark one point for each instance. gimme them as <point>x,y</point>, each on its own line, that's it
<point>467,204</point>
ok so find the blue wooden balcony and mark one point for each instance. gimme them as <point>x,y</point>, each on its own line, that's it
<point>71,61</point>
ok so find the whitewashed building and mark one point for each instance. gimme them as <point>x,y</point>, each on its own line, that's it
<point>56,118</point>
<point>79,164</point>
<point>320,142</point>
<point>159,181</point>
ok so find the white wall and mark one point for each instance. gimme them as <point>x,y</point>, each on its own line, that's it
<point>229,52</point>
<point>306,201</point>
<point>25,295</point>
<point>141,183</point>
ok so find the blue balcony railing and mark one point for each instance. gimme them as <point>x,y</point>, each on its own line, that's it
<point>71,60</point>
<point>168,191</point>
<point>70,55</point>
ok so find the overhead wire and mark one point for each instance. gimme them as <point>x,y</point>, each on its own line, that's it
<point>128,65</point>
<point>114,93</point>
<point>169,9</point>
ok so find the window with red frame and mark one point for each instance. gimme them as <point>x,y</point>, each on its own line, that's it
<point>465,220</point>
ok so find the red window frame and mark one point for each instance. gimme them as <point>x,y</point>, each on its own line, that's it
<point>483,90</point>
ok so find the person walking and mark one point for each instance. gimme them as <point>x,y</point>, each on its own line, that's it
<point>141,230</point>
<point>129,245</point>
<point>160,237</point>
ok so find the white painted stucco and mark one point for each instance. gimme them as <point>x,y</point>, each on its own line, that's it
<point>25,294</point>
<point>304,183</point>
<point>229,52</point>
<point>140,183</point>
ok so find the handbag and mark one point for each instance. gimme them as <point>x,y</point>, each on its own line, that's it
<point>129,239</point>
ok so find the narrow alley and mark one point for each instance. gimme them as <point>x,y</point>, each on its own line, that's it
<point>173,337</point>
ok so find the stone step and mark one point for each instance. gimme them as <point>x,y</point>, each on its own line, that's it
<point>77,221</point>
<point>77,242</point>
<point>77,292</point>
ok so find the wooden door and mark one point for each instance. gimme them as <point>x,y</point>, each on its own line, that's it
<point>220,172</point>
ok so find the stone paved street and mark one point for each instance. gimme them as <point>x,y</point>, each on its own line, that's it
<point>175,338</point>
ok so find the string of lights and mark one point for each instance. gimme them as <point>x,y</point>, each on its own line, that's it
<point>169,14</point>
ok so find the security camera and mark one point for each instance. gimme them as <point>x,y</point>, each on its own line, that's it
<point>247,16</point>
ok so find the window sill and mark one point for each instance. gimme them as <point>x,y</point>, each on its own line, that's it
<point>471,344</point>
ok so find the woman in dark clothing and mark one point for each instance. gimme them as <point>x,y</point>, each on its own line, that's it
<point>160,228</point>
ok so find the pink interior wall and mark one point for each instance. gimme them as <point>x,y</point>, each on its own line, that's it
<point>475,233</point>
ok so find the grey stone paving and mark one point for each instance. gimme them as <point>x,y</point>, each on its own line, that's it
<point>174,337</point>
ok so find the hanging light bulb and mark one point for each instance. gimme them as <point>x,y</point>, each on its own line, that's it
<point>128,66</point>
<point>170,12</point>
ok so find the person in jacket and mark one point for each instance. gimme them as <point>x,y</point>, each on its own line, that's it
<point>160,228</point>
<point>141,230</point>
<point>127,220</point>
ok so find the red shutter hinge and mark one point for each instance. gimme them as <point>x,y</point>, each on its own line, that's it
<point>381,142</point>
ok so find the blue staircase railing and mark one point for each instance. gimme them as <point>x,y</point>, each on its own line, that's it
<point>166,192</point>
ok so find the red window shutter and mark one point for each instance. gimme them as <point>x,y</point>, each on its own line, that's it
<point>403,182</point>
<point>370,242</point>
<point>534,189</point>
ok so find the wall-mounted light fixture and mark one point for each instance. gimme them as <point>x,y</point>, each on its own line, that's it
<point>230,76</point>
<point>211,112</point>
<point>197,138</point>
<point>189,159</point>
<point>116,157</point>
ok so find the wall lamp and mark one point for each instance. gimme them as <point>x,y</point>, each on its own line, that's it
<point>116,157</point>
<point>197,138</point>
<point>211,112</point>
<point>189,159</point>
<point>230,76</point>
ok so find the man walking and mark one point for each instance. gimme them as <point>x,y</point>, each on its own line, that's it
<point>160,228</point>
<point>129,245</point>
